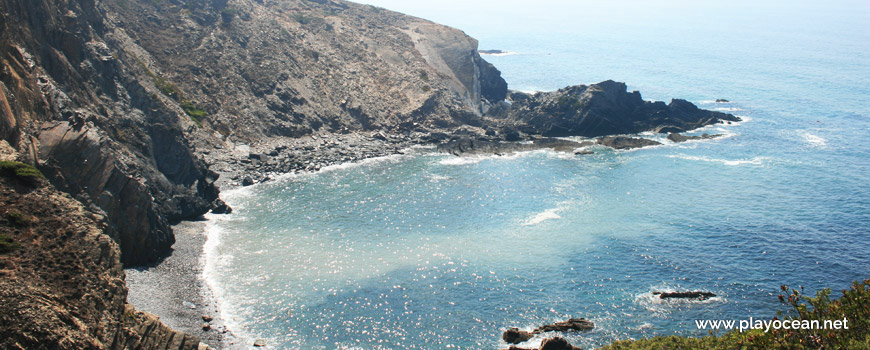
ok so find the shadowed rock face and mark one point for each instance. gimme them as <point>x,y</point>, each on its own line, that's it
<point>602,109</point>
<point>62,282</point>
<point>96,126</point>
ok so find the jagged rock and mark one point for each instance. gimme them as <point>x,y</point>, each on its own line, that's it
<point>685,295</point>
<point>65,289</point>
<point>557,343</point>
<point>574,324</point>
<point>221,207</point>
<point>467,146</point>
<point>684,138</point>
<point>603,109</point>
<point>622,142</point>
<point>516,336</point>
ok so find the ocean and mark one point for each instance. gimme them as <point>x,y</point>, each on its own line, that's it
<point>430,251</point>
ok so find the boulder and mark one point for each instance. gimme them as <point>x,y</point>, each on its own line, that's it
<point>516,336</point>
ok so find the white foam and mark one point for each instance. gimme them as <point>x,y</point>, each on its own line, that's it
<point>657,305</point>
<point>728,109</point>
<point>497,54</point>
<point>731,162</point>
<point>812,139</point>
<point>436,177</point>
<point>461,160</point>
<point>549,214</point>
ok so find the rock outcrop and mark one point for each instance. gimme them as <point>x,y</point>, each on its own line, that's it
<point>556,343</point>
<point>469,146</point>
<point>97,125</point>
<point>683,138</point>
<point>695,295</point>
<point>601,109</point>
<point>623,142</point>
<point>61,278</point>
<point>516,336</point>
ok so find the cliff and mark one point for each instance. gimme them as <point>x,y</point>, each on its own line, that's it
<point>131,107</point>
<point>61,279</point>
<point>117,101</point>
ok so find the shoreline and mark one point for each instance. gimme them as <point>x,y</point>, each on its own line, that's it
<point>170,287</point>
<point>165,289</point>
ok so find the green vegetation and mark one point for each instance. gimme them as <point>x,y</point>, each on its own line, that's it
<point>15,218</point>
<point>21,171</point>
<point>304,19</point>
<point>227,14</point>
<point>424,75</point>
<point>7,244</point>
<point>192,110</point>
<point>853,305</point>
<point>425,88</point>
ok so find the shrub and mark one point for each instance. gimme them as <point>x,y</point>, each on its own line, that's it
<point>7,244</point>
<point>853,305</point>
<point>21,171</point>
<point>15,218</point>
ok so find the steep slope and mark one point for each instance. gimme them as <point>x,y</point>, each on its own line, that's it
<point>95,127</point>
<point>290,68</point>
<point>117,101</point>
<point>61,278</point>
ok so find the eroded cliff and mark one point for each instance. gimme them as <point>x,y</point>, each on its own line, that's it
<point>61,278</point>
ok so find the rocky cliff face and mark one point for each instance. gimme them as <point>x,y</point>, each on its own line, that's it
<point>117,100</point>
<point>95,126</point>
<point>61,279</point>
<point>292,68</point>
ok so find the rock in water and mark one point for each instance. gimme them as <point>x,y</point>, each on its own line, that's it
<point>516,336</point>
<point>622,142</point>
<point>685,295</point>
<point>603,109</point>
<point>574,324</point>
<point>260,343</point>
<point>557,343</point>
<point>683,138</point>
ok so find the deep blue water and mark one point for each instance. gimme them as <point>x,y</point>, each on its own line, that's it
<point>427,251</point>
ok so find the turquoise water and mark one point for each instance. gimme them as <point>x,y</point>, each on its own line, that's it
<point>427,251</point>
